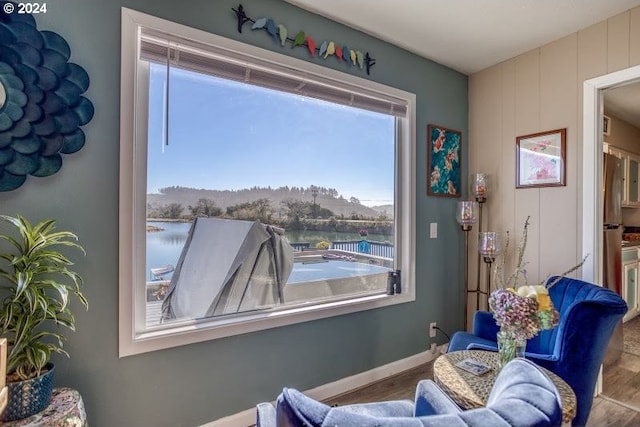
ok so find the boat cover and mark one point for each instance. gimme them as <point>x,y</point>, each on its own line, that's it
<point>228,266</point>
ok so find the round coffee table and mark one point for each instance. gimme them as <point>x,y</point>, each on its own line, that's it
<point>471,391</point>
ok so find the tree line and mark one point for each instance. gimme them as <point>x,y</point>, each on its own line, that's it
<point>292,214</point>
<point>293,191</point>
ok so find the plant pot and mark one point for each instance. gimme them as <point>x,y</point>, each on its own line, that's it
<point>29,397</point>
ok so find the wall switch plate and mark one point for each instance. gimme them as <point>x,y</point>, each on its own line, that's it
<point>433,230</point>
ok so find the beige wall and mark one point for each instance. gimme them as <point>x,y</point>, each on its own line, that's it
<point>631,217</point>
<point>538,91</point>
<point>623,134</point>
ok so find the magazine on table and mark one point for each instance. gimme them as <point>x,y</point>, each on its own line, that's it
<point>473,366</point>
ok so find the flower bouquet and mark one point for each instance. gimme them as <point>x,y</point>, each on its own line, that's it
<point>520,310</point>
<point>521,315</point>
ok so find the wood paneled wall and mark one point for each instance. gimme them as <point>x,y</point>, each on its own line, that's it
<point>537,91</point>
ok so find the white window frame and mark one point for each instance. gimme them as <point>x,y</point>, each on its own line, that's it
<point>134,338</point>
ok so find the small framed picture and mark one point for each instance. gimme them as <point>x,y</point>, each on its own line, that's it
<point>541,159</point>
<point>443,161</point>
<point>606,125</point>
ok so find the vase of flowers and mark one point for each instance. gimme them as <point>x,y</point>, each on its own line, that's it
<point>509,347</point>
<point>520,310</point>
<point>521,315</point>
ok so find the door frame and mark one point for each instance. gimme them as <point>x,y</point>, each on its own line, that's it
<point>592,159</point>
<point>592,166</point>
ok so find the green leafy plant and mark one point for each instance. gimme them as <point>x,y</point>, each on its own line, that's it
<point>36,283</point>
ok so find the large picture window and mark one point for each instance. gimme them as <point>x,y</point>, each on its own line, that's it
<point>256,189</point>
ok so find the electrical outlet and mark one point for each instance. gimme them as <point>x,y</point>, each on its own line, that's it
<point>432,330</point>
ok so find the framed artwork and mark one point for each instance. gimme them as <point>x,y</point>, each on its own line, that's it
<point>606,125</point>
<point>443,161</point>
<point>540,159</point>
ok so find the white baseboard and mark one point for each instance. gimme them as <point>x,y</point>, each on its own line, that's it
<point>341,386</point>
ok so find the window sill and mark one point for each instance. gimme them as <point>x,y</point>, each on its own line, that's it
<point>193,332</point>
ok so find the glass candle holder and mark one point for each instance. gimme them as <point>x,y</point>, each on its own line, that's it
<point>479,186</point>
<point>467,214</point>
<point>489,245</point>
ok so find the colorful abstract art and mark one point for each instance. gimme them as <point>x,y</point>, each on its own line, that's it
<point>443,161</point>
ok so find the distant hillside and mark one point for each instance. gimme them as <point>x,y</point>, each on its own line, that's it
<point>384,209</point>
<point>327,198</point>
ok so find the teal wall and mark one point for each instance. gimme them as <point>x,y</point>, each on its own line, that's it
<point>202,382</point>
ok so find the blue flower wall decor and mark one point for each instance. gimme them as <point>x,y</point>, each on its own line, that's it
<point>42,109</point>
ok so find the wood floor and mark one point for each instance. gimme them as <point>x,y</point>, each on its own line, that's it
<point>604,413</point>
<point>621,380</point>
<point>400,386</point>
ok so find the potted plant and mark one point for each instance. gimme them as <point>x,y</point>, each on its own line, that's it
<point>36,283</point>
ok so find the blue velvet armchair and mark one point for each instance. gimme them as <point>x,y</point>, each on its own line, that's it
<point>522,396</point>
<point>575,349</point>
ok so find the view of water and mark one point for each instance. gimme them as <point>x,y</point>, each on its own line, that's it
<point>164,247</point>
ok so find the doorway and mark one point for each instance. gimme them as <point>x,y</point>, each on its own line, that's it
<point>621,374</point>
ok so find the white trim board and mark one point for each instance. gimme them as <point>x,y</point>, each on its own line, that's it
<point>592,167</point>
<point>593,110</point>
<point>341,386</point>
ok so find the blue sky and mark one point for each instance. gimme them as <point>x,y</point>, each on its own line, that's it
<point>225,135</point>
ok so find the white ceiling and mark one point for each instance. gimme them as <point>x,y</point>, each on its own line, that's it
<point>467,35</point>
<point>471,35</point>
